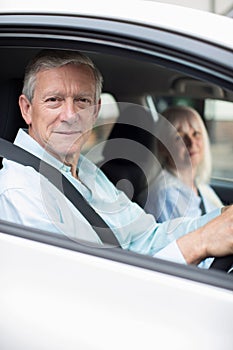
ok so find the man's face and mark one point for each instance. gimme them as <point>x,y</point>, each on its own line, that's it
<point>63,111</point>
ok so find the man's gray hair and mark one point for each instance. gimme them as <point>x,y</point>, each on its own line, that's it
<point>49,59</point>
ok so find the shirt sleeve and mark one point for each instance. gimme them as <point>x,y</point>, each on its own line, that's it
<point>160,240</point>
<point>168,203</point>
<point>31,210</point>
<point>169,208</point>
<point>47,210</point>
<point>171,253</point>
<point>158,204</point>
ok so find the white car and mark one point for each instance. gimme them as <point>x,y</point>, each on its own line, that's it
<point>56,293</point>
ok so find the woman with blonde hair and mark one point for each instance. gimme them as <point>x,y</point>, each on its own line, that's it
<point>182,186</point>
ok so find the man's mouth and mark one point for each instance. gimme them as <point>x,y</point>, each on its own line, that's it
<point>67,132</point>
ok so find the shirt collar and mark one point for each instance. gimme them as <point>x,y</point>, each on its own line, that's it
<point>25,141</point>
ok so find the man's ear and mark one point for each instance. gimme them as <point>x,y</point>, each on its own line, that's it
<point>25,107</point>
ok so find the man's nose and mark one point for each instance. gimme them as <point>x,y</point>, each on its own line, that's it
<point>69,111</point>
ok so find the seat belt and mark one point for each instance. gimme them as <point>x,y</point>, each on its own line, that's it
<point>21,156</point>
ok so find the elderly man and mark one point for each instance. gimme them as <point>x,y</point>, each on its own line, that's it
<point>60,103</point>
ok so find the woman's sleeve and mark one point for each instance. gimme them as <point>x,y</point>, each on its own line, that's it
<point>165,204</point>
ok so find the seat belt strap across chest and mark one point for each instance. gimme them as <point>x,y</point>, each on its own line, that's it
<point>21,156</point>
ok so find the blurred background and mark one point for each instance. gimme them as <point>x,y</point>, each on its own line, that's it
<point>221,7</point>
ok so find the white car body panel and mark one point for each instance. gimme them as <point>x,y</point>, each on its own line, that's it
<point>192,22</point>
<point>64,295</point>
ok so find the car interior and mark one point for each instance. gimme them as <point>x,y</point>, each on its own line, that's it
<point>140,89</point>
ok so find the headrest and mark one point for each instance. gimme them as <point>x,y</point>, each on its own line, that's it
<point>10,115</point>
<point>131,132</point>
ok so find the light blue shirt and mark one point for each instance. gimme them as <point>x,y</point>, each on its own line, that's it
<point>27,198</point>
<point>169,198</point>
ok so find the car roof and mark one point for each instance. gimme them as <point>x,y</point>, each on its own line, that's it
<point>204,25</point>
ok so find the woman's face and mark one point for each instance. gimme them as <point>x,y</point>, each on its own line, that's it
<point>186,143</point>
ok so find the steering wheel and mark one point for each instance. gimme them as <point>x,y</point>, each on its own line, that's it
<point>224,263</point>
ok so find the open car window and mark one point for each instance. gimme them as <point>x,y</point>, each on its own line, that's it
<point>140,74</point>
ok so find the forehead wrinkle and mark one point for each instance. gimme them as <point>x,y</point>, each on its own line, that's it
<point>69,84</point>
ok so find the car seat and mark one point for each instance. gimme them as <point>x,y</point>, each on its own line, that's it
<point>128,155</point>
<point>10,115</point>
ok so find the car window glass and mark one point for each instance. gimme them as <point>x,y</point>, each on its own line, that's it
<point>219,118</point>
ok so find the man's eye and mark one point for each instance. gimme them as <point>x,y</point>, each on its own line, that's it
<point>52,99</point>
<point>84,102</point>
